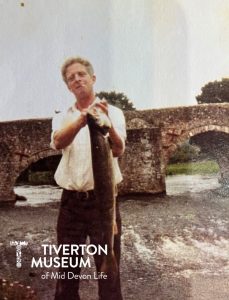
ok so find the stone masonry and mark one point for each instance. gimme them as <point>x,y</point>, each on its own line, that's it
<point>141,162</point>
<point>152,137</point>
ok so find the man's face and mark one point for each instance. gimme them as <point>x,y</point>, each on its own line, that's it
<point>79,81</point>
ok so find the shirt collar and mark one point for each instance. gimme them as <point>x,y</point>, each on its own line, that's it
<point>74,109</point>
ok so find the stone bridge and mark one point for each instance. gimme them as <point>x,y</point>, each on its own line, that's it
<point>152,137</point>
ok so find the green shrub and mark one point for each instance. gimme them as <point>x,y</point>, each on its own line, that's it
<point>185,152</point>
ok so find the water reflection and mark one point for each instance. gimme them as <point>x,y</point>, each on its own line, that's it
<point>179,184</point>
<point>38,194</point>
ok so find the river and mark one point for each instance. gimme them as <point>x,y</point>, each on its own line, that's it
<point>176,247</point>
<point>175,185</point>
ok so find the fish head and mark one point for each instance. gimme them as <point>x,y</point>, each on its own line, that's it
<point>98,119</point>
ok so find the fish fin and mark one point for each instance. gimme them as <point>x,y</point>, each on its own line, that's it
<point>109,266</point>
<point>115,228</point>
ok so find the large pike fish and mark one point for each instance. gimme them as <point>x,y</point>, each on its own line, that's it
<point>104,185</point>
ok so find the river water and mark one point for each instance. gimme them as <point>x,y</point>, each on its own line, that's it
<point>179,184</point>
<point>174,248</point>
<point>175,185</point>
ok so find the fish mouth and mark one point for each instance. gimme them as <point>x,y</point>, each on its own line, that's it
<point>101,119</point>
<point>98,119</point>
<point>101,124</point>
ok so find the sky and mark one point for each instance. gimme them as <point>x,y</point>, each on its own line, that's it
<point>159,53</point>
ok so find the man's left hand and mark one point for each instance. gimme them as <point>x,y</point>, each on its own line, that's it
<point>103,105</point>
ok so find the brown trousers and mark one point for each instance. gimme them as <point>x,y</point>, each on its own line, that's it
<point>79,218</point>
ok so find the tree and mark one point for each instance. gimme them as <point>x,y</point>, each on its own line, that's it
<point>117,99</point>
<point>215,92</point>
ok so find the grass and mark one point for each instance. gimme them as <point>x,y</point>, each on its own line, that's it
<point>192,168</point>
<point>188,168</point>
<point>39,178</point>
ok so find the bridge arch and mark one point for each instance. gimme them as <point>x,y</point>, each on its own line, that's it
<point>188,133</point>
<point>35,157</point>
<point>218,153</point>
<point>152,137</point>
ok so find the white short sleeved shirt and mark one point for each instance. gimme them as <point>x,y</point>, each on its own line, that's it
<point>74,171</point>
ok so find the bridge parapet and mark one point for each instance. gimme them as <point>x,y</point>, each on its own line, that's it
<point>178,124</point>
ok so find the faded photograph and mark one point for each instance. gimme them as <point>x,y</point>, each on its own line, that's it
<point>114,130</point>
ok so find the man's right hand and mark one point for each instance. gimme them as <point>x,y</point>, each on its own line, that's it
<point>83,118</point>
<point>65,136</point>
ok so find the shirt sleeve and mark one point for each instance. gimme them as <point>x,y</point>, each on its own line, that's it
<point>118,121</point>
<point>57,120</point>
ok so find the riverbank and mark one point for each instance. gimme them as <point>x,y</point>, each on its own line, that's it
<point>187,168</point>
<point>173,248</point>
<point>192,168</point>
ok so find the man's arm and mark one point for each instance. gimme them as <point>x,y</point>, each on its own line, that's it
<point>117,142</point>
<point>64,137</point>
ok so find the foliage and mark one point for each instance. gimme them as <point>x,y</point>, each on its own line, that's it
<point>39,178</point>
<point>117,99</point>
<point>192,168</point>
<point>40,172</point>
<point>215,92</point>
<point>184,153</point>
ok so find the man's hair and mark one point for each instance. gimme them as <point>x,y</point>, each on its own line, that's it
<point>72,60</point>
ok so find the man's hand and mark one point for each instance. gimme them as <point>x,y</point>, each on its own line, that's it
<point>83,118</point>
<point>103,105</point>
<point>65,136</point>
<point>117,144</point>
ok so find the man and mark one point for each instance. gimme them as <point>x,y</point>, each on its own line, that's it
<point>79,217</point>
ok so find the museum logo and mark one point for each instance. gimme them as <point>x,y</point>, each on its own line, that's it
<point>18,245</point>
<point>63,255</point>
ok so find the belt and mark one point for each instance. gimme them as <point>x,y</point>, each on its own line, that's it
<point>80,195</point>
